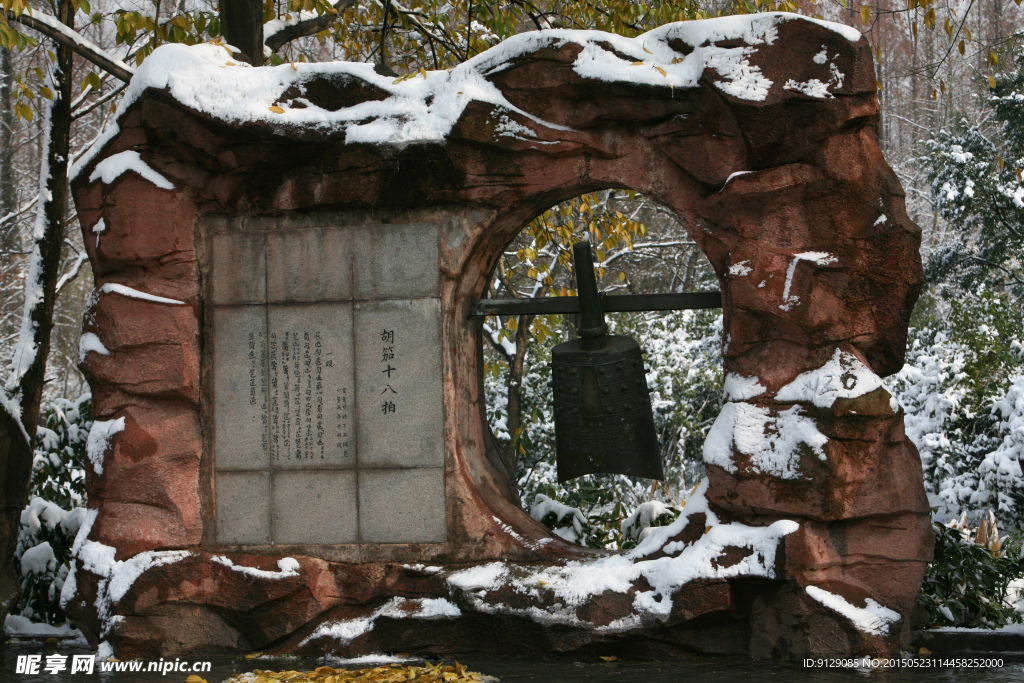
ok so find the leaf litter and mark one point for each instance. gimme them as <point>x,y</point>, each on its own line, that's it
<point>392,673</point>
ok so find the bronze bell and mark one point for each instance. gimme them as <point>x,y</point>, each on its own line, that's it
<point>604,422</point>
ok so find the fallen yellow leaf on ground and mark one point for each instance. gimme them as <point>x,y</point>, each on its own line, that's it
<point>392,673</point>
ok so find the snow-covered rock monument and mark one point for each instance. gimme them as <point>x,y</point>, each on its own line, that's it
<point>291,452</point>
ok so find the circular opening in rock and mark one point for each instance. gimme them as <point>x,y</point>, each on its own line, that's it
<point>640,247</point>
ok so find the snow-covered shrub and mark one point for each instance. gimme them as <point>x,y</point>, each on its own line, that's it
<point>968,582</point>
<point>646,517</point>
<point>56,508</point>
<point>964,403</point>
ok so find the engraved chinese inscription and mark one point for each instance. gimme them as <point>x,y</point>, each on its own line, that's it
<point>327,385</point>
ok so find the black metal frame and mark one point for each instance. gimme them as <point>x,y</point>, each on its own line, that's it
<point>610,303</point>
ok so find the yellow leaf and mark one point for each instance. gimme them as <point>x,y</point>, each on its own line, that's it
<point>195,679</point>
<point>660,70</point>
<point>865,14</point>
<point>46,92</point>
<point>610,658</point>
<point>992,82</point>
<point>1001,163</point>
<point>1018,175</point>
<point>276,109</point>
<point>924,652</point>
<point>676,60</point>
<point>962,47</point>
<point>637,64</point>
<point>993,58</point>
<point>622,277</point>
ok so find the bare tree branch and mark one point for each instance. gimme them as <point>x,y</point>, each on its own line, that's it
<point>308,27</point>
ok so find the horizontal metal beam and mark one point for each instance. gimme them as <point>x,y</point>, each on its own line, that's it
<point>610,303</point>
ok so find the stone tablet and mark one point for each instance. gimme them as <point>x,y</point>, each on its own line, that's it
<point>327,375</point>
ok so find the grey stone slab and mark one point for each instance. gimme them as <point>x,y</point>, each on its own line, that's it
<point>398,383</point>
<point>311,387</point>
<point>309,265</point>
<point>396,261</point>
<point>240,407</point>
<point>402,506</point>
<point>315,507</point>
<point>238,268</point>
<point>243,508</point>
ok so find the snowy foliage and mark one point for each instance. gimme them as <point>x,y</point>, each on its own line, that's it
<point>56,509</point>
<point>961,389</point>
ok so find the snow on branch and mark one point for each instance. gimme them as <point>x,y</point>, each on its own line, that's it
<point>51,27</point>
<point>277,32</point>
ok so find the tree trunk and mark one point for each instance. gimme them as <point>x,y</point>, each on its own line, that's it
<point>241,24</point>
<point>515,388</point>
<point>28,371</point>
<point>8,193</point>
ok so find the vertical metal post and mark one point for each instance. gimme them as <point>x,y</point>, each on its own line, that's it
<point>591,316</point>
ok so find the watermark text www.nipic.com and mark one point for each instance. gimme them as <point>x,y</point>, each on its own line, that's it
<point>87,664</point>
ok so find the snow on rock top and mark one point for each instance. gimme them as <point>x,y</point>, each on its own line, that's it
<point>288,567</point>
<point>843,376</point>
<point>873,618</point>
<point>345,631</point>
<point>424,108</point>
<point>679,563</point>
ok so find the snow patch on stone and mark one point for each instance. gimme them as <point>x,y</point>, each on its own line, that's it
<point>136,294</point>
<point>821,258</point>
<point>344,632</point>
<point>99,439</point>
<point>842,376</point>
<point>873,619</point>
<point>577,581</point>
<point>288,567</point>
<point>117,576</point>
<point>89,342</point>
<point>771,442</point>
<point>743,267</point>
<point>116,165</point>
<point>740,388</point>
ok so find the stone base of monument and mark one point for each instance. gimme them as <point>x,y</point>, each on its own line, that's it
<point>1006,643</point>
<point>290,450</point>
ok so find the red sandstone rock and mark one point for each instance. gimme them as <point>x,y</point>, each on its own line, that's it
<point>816,182</point>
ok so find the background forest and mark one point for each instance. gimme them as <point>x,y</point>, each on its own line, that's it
<point>951,87</point>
